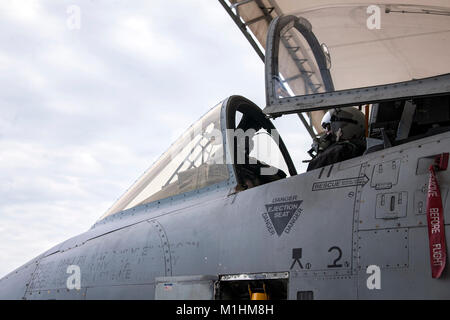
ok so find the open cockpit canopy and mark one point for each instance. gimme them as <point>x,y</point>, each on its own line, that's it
<point>349,47</point>
<point>314,48</point>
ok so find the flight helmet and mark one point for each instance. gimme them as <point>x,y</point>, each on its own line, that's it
<point>344,123</point>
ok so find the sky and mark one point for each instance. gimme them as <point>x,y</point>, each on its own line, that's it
<point>93,92</point>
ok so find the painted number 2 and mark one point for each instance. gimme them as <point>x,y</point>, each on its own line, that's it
<point>335,262</point>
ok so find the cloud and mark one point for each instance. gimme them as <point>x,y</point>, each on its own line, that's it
<point>22,12</point>
<point>85,112</point>
<point>136,36</point>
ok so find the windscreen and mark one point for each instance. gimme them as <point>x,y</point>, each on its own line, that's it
<point>194,161</point>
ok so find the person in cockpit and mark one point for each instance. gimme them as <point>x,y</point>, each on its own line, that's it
<point>344,137</point>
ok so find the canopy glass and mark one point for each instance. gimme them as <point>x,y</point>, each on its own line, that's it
<point>344,47</point>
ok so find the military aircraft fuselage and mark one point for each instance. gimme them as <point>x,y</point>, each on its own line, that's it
<point>222,216</point>
<point>319,232</point>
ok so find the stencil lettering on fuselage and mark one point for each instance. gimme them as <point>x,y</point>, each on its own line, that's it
<point>281,214</point>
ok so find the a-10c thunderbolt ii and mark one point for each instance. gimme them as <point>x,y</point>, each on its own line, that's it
<point>223,214</point>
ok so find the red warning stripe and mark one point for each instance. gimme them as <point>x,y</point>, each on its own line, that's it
<point>435,218</point>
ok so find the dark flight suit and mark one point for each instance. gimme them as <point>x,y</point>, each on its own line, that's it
<point>337,152</point>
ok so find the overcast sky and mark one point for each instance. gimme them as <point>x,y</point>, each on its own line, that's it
<point>87,105</point>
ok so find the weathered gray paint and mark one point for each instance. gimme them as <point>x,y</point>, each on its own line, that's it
<point>219,232</point>
<point>185,288</point>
